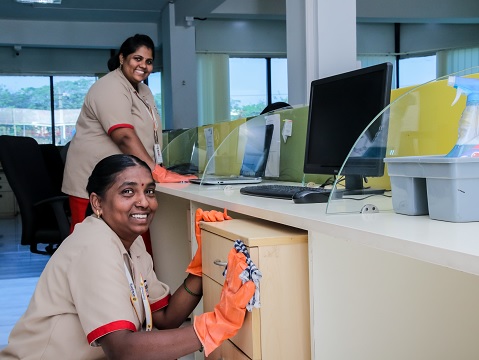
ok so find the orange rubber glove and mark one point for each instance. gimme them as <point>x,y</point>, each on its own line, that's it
<point>196,265</point>
<point>161,175</point>
<point>212,328</point>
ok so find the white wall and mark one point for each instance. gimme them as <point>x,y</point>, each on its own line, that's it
<point>433,37</point>
<point>58,34</point>
<point>53,61</point>
<point>239,37</point>
<point>84,48</point>
<point>64,47</point>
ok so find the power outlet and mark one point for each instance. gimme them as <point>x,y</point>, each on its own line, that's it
<point>369,208</point>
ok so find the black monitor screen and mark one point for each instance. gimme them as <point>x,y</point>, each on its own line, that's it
<point>340,108</point>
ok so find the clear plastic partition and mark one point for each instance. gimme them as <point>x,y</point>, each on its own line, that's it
<point>210,138</point>
<point>189,151</point>
<point>420,121</point>
<point>182,151</point>
<point>239,153</point>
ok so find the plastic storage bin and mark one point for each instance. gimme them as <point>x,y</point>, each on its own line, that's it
<point>446,188</point>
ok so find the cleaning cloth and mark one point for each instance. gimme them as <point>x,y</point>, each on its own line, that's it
<point>250,273</point>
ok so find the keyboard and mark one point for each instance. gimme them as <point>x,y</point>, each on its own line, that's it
<point>277,191</point>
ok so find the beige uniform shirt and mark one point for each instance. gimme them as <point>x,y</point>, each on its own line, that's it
<point>83,294</point>
<point>111,103</point>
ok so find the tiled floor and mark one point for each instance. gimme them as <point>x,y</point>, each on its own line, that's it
<point>19,272</point>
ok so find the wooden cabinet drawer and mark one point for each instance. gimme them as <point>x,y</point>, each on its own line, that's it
<point>7,198</point>
<point>280,329</point>
<point>248,337</point>
<point>7,203</point>
<point>227,351</point>
<point>215,254</point>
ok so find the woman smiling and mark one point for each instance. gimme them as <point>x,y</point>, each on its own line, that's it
<point>98,296</point>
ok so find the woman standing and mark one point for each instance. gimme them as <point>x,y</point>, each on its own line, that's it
<point>118,116</point>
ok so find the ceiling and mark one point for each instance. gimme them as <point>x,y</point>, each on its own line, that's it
<point>149,11</point>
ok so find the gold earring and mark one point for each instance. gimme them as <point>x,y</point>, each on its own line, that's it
<point>98,214</point>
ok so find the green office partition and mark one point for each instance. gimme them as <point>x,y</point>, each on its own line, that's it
<point>244,140</point>
<point>286,151</point>
<point>292,148</point>
<point>210,138</point>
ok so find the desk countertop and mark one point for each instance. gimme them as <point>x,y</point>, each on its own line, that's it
<point>452,245</point>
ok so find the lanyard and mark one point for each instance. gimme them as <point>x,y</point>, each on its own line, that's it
<point>156,147</point>
<point>144,298</point>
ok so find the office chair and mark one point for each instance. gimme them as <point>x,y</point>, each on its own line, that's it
<point>275,106</point>
<point>55,166</point>
<point>43,210</point>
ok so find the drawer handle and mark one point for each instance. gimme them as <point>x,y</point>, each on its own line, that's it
<point>220,263</point>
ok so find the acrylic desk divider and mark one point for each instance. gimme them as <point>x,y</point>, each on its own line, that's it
<point>226,143</point>
<point>292,149</point>
<point>227,156</point>
<point>420,121</point>
<point>180,150</point>
<point>210,140</point>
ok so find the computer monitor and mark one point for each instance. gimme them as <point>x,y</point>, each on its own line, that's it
<point>340,108</point>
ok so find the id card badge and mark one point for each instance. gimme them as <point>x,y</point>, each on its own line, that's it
<point>157,148</point>
<point>158,156</point>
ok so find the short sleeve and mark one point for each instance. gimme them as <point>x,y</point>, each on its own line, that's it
<point>111,103</point>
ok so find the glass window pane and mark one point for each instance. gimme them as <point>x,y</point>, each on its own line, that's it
<point>247,87</point>
<point>279,80</point>
<point>417,70</point>
<point>154,82</point>
<point>25,107</point>
<point>69,93</point>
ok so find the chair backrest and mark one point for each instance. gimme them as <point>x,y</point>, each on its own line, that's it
<point>275,106</point>
<point>25,170</point>
<point>54,164</point>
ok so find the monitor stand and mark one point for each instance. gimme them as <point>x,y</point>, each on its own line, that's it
<point>354,186</point>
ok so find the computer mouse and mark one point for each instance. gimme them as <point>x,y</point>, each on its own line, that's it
<point>310,197</point>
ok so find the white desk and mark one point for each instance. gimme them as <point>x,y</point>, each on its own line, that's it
<point>382,286</point>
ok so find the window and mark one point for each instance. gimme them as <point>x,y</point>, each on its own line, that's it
<point>247,86</point>
<point>250,88</point>
<point>154,83</point>
<point>417,70</point>
<point>69,93</point>
<point>279,80</point>
<point>25,106</point>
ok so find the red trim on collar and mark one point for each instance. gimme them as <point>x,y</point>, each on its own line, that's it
<point>109,328</point>
<point>119,126</point>
<point>160,304</point>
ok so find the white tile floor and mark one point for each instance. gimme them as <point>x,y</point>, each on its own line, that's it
<point>19,272</point>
